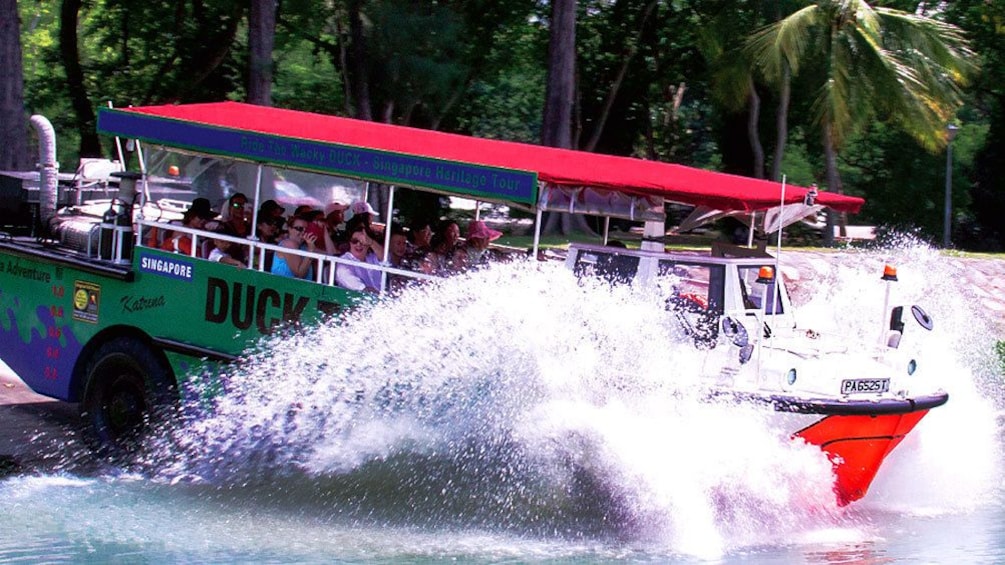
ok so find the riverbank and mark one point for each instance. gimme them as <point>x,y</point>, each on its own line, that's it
<point>983,277</point>
<point>36,433</point>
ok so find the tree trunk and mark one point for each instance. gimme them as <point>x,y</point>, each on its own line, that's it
<point>210,58</point>
<point>782,123</point>
<point>454,97</point>
<point>556,126</point>
<point>833,184</point>
<point>13,123</point>
<point>753,117</point>
<point>612,93</point>
<point>343,69</point>
<point>90,144</point>
<point>357,60</point>
<point>261,36</point>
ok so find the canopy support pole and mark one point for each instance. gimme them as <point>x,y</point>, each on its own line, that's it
<point>537,232</point>
<point>778,256</point>
<point>653,235</point>
<point>118,151</point>
<point>253,236</point>
<point>143,171</point>
<point>607,228</point>
<point>750,232</point>
<point>387,236</point>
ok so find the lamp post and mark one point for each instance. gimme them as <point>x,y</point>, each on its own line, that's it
<point>947,223</point>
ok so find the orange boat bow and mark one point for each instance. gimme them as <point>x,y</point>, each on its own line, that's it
<point>857,446</point>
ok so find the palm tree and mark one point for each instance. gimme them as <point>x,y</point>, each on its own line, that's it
<point>868,62</point>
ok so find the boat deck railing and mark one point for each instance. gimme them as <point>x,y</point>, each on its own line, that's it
<point>325,265</point>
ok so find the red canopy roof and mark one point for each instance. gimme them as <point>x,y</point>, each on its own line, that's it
<point>675,183</point>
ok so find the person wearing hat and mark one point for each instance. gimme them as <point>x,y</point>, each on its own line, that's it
<point>269,230</point>
<point>479,236</point>
<point>335,220</point>
<point>271,209</point>
<point>362,207</point>
<point>362,214</point>
<point>194,217</point>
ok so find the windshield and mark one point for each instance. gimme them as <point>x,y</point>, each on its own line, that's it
<point>754,293</point>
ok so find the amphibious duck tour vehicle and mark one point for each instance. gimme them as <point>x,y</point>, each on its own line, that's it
<point>93,310</point>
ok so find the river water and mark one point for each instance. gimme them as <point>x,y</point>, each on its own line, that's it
<point>519,416</point>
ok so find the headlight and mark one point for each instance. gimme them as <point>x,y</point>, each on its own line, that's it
<point>912,366</point>
<point>791,377</point>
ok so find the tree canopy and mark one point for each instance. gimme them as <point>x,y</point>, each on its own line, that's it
<point>849,94</point>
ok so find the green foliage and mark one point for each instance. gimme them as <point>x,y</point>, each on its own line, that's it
<point>798,167</point>
<point>415,56</point>
<point>870,63</point>
<point>662,80</point>
<point>506,102</point>
<point>1000,350</point>
<point>904,184</point>
<point>306,80</point>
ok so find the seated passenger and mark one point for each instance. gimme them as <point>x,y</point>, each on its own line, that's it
<point>221,253</point>
<point>398,253</point>
<point>235,215</point>
<point>364,211</point>
<point>445,238</point>
<point>479,236</point>
<point>291,264</point>
<point>420,232</point>
<point>272,210</point>
<point>195,217</point>
<point>269,230</point>
<point>398,256</point>
<point>362,249</point>
<point>336,224</point>
<point>457,261</point>
<point>319,229</point>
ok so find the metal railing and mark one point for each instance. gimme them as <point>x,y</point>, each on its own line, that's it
<point>326,264</point>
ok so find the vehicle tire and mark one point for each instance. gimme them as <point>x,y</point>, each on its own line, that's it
<point>126,387</point>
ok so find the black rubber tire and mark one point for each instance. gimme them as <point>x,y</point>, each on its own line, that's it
<point>127,386</point>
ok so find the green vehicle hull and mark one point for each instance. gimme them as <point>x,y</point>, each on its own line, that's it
<point>58,309</point>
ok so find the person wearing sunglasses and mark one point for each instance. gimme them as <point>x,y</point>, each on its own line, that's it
<point>363,250</point>
<point>292,264</point>
<point>235,215</point>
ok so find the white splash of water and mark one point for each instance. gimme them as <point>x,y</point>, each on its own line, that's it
<point>546,395</point>
<point>953,459</point>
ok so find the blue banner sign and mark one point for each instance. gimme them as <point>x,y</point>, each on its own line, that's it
<point>472,181</point>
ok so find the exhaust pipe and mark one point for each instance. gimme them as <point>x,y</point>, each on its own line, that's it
<point>48,179</point>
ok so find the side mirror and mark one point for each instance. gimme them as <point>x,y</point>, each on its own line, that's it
<point>922,317</point>
<point>896,319</point>
<point>735,331</point>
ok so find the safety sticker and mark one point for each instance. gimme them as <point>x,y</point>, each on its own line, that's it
<point>86,299</point>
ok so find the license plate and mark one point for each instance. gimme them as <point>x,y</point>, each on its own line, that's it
<point>852,386</point>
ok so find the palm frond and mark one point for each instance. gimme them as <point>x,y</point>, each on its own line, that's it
<point>783,41</point>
